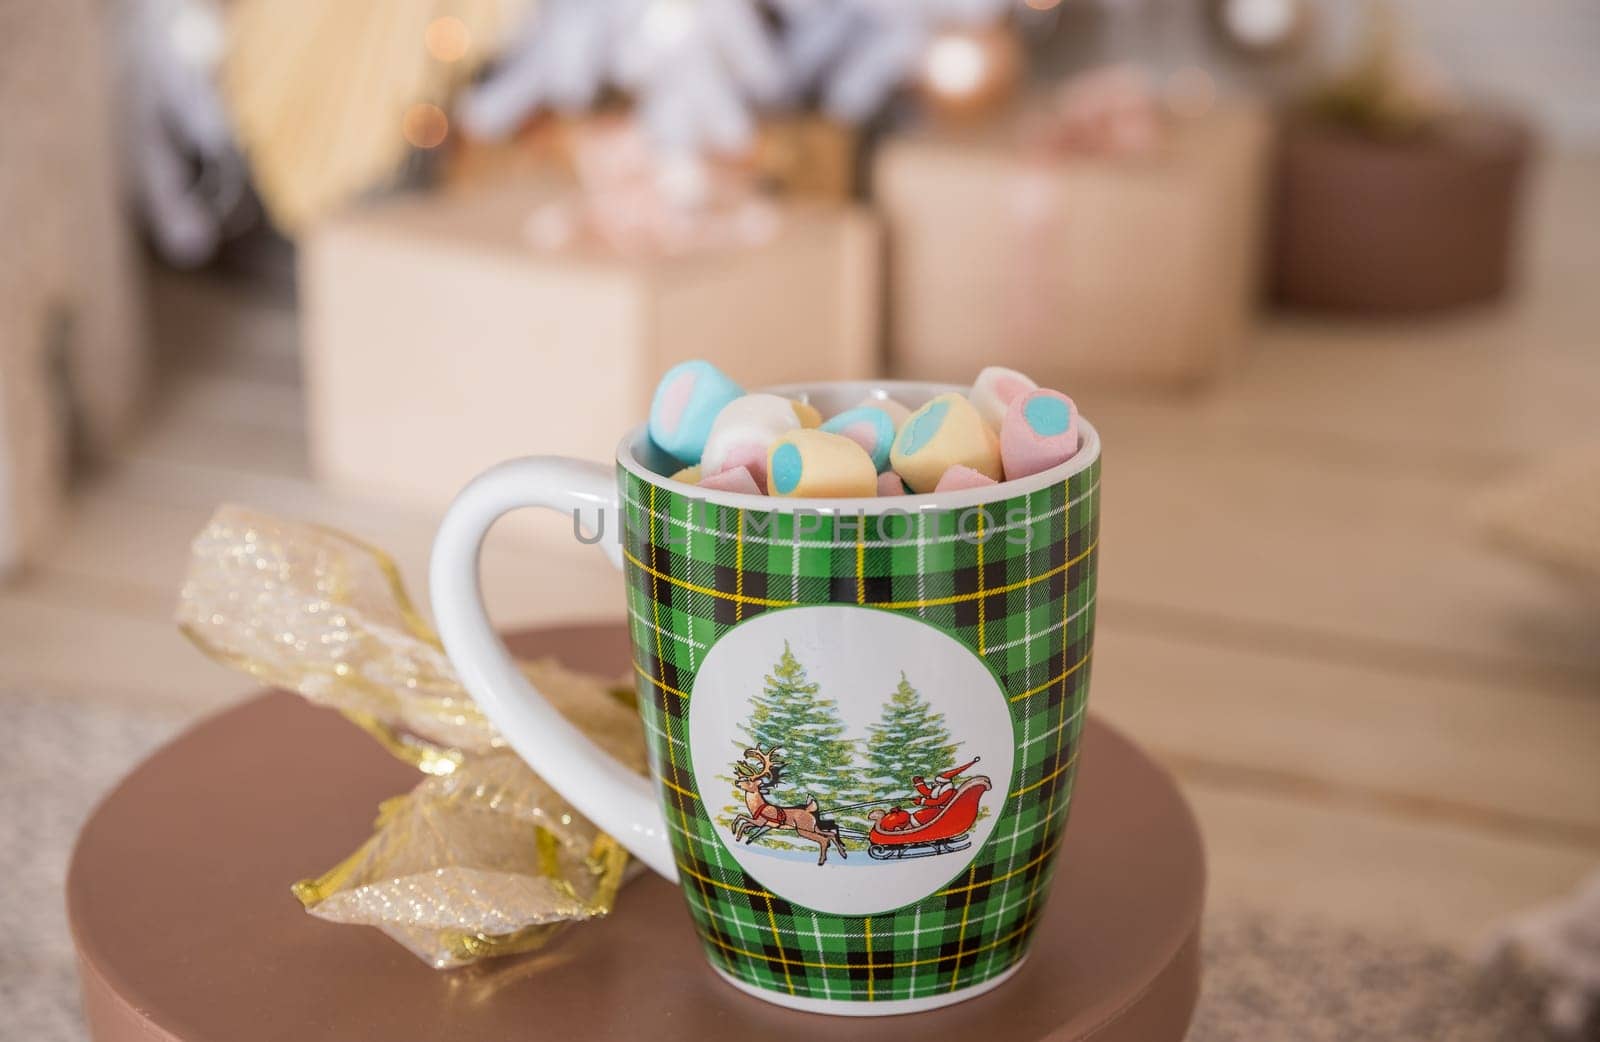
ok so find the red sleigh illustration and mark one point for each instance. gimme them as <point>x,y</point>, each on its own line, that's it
<point>940,823</point>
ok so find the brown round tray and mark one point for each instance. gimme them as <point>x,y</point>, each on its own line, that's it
<point>180,907</point>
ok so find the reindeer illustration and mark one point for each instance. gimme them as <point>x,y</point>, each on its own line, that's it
<point>756,779</point>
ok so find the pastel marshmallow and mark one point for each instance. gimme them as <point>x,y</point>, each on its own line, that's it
<point>869,426</point>
<point>1040,431</point>
<point>897,412</point>
<point>688,475</point>
<point>889,484</point>
<point>945,432</point>
<point>817,463</point>
<point>995,389</point>
<point>959,477</point>
<point>744,431</point>
<point>734,479</point>
<point>807,414</point>
<point>686,404</point>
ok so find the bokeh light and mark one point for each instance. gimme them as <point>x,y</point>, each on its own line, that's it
<point>447,38</point>
<point>425,125</point>
<point>955,65</point>
<point>1261,23</point>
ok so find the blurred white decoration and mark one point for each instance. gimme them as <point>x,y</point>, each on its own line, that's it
<point>694,67</point>
<point>558,60</point>
<point>857,53</point>
<point>1559,945</point>
<point>187,177</point>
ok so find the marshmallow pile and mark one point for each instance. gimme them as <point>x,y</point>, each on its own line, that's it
<point>1006,427</point>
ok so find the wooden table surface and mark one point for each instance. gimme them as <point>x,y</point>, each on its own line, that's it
<point>1115,957</point>
<point>1378,719</point>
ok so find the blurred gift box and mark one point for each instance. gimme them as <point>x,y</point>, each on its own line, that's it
<point>443,335</point>
<point>1071,264</point>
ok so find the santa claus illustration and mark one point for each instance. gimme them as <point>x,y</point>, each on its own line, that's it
<point>931,799</point>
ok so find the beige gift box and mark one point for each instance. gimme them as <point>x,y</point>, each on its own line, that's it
<point>440,340</point>
<point>1080,268</point>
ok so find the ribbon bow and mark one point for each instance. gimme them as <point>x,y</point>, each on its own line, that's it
<point>482,857</point>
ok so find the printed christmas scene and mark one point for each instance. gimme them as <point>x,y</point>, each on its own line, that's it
<point>804,786</point>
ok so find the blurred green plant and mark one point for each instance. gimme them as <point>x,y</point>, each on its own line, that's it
<point>1385,92</point>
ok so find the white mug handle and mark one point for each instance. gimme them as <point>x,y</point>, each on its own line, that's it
<point>605,791</point>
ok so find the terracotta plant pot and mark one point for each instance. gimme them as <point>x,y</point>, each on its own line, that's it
<point>1367,225</point>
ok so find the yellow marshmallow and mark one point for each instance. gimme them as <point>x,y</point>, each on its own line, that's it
<point>816,463</point>
<point>688,475</point>
<point>946,432</point>
<point>807,414</point>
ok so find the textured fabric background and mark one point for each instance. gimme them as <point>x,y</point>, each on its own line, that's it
<point>60,757</point>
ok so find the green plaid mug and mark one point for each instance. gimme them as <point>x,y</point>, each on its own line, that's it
<point>863,715</point>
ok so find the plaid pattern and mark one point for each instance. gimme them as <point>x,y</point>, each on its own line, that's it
<point>1015,583</point>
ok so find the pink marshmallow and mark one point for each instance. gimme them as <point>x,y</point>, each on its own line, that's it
<point>863,434</point>
<point>734,479</point>
<point>674,400</point>
<point>1040,431</point>
<point>1007,388</point>
<point>959,477</point>
<point>889,484</point>
<point>750,457</point>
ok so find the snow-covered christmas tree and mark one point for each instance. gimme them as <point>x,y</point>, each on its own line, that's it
<point>910,740</point>
<point>790,712</point>
<point>819,760</point>
<point>856,53</point>
<point>695,68</point>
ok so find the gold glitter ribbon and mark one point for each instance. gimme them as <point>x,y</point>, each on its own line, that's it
<point>482,858</point>
<point>331,100</point>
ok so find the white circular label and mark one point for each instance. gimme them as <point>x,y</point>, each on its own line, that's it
<point>853,760</point>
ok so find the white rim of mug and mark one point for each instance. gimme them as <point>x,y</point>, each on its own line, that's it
<point>871,1007</point>
<point>1088,452</point>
